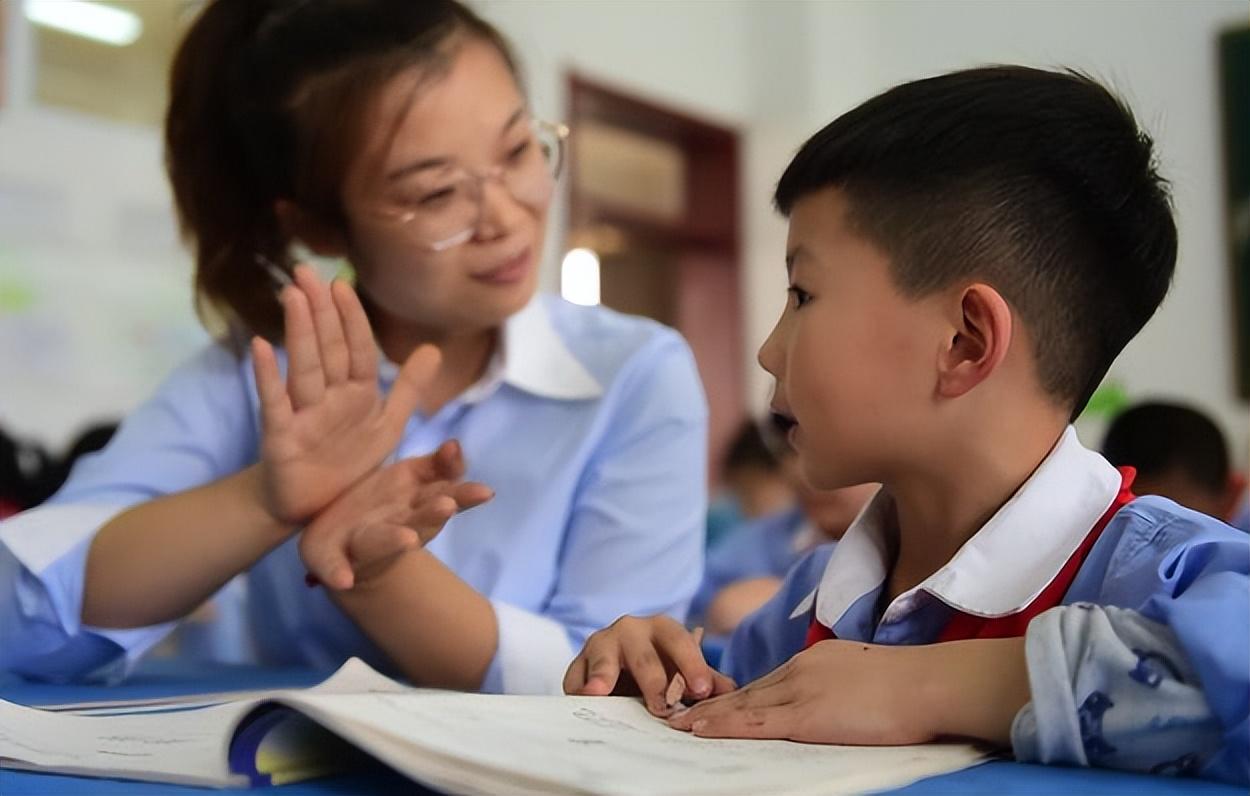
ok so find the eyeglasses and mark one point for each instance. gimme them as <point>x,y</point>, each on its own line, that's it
<point>442,207</point>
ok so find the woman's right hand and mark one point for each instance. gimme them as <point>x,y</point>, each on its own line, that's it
<point>328,425</point>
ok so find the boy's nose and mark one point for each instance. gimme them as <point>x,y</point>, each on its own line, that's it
<point>769,356</point>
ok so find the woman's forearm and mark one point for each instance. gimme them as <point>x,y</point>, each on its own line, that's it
<point>436,628</point>
<point>159,560</point>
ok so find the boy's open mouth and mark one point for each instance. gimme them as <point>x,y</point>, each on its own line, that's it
<point>783,423</point>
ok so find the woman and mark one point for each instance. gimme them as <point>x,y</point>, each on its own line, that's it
<point>395,134</point>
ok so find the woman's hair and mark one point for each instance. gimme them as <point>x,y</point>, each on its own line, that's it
<point>266,102</point>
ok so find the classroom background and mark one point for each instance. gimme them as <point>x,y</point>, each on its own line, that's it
<point>683,114</point>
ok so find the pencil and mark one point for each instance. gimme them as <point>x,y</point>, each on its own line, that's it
<point>677,688</point>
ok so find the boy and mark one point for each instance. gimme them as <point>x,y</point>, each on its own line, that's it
<point>1178,452</point>
<point>967,255</point>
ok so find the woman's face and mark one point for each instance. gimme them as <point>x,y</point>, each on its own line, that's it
<point>412,187</point>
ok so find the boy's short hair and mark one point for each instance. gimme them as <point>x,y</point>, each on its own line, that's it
<point>1160,437</point>
<point>1039,183</point>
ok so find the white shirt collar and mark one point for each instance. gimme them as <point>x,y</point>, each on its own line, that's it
<point>1005,565</point>
<point>531,356</point>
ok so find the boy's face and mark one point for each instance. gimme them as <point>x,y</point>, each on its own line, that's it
<point>853,358</point>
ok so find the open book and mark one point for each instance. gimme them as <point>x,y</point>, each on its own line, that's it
<point>454,742</point>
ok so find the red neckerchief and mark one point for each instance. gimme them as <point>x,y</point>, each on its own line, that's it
<point>967,626</point>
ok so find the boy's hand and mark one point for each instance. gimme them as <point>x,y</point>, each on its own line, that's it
<point>394,509</point>
<point>638,657</point>
<point>328,425</point>
<point>848,692</point>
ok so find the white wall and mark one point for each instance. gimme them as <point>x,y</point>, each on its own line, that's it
<point>95,299</point>
<point>1161,56</point>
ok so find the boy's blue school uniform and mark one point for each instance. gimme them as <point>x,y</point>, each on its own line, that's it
<point>590,426</point>
<point>767,546</point>
<point>1144,665</point>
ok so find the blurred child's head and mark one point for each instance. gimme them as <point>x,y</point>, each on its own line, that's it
<point>1179,453</point>
<point>967,254</point>
<point>754,472</point>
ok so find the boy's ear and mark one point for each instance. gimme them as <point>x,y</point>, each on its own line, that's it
<point>983,329</point>
<point>321,238</point>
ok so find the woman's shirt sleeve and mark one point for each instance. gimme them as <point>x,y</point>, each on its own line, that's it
<point>197,428</point>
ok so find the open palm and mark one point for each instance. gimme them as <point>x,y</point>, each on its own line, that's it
<point>328,425</point>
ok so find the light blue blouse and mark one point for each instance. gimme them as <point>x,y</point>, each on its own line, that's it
<point>590,426</point>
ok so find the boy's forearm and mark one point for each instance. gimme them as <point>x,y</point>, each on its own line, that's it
<point>975,688</point>
<point>159,560</point>
<point>435,627</point>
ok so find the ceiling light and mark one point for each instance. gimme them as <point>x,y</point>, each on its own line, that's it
<point>106,24</point>
<point>579,277</point>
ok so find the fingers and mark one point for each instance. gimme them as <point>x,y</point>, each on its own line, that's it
<point>722,684</point>
<point>275,406</point>
<point>753,712</point>
<point>603,668</point>
<point>324,553</point>
<point>305,379</point>
<point>326,323</point>
<point>446,463</point>
<point>773,721</point>
<point>472,494</point>
<point>391,510</point>
<point>361,347</point>
<point>430,511</point>
<point>430,514</point>
<point>449,460</point>
<point>684,653</point>
<point>413,379</point>
<point>439,473</point>
<point>575,677</point>
<point>644,653</point>
<point>372,547</point>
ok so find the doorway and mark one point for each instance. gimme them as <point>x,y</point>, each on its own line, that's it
<point>654,194</point>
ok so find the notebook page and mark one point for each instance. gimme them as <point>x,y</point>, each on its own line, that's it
<point>354,676</point>
<point>473,743</point>
<point>163,740</point>
<point>188,747</point>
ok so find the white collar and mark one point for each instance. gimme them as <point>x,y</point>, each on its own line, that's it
<point>1005,565</point>
<point>531,356</point>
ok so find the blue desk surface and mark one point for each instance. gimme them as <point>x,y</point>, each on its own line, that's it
<point>162,678</point>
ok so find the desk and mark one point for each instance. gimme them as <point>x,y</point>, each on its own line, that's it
<point>163,678</point>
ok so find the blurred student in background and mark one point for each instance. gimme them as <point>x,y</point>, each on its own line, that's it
<point>754,483</point>
<point>1179,453</point>
<point>745,570</point>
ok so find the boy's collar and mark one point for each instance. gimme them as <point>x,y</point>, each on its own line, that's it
<point>531,356</point>
<point>1005,564</point>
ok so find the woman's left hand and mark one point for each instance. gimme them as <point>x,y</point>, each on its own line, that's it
<point>391,510</point>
